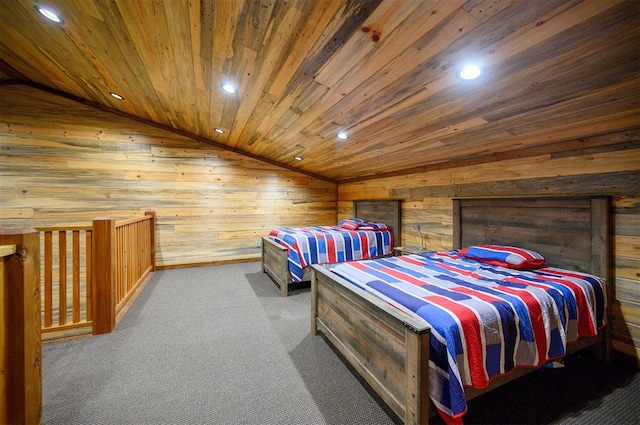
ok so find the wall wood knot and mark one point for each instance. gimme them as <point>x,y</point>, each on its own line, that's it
<point>21,252</point>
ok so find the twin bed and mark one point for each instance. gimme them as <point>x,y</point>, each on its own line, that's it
<point>417,354</point>
<point>288,264</point>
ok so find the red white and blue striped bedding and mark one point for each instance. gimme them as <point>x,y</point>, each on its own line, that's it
<point>330,244</point>
<point>485,320</point>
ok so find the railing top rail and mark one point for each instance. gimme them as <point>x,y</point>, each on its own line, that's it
<point>6,250</point>
<point>132,220</point>
<point>62,228</point>
<point>72,227</point>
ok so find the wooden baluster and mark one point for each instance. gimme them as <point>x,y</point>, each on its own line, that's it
<point>118,270</point>
<point>48,279</point>
<point>89,274</point>
<point>76,277</point>
<point>62,277</point>
<point>125,260</point>
<point>133,257</point>
<point>122,270</point>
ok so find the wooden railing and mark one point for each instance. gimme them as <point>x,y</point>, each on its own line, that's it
<point>134,259</point>
<point>90,274</point>
<point>65,292</point>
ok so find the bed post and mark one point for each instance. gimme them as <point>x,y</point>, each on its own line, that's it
<point>314,302</point>
<point>601,266</point>
<point>417,377</point>
<point>457,231</point>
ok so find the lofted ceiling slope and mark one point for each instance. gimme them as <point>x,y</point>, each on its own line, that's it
<point>558,75</point>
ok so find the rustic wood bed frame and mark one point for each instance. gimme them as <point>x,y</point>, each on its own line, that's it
<point>274,256</point>
<point>391,352</point>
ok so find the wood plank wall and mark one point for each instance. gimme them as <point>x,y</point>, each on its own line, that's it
<point>61,161</point>
<point>64,162</point>
<point>612,171</point>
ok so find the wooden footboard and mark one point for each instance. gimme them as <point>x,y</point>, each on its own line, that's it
<point>274,263</point>
<point>388,349</point>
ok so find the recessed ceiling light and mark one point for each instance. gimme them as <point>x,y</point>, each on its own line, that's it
<point>229,88</point>
<point>297,158</point>
<point>218,130</point>
<point>470,72</point>
<point>49,14</point>
<point>116,95</point>
<point>342,135</point>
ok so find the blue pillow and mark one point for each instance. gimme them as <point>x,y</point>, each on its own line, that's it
<point>505,256</point>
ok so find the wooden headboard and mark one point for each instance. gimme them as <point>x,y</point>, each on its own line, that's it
<point>571,233</point>
<point>385,211</point>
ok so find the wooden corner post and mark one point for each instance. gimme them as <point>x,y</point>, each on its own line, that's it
<point>103,282</point>
<point>21,326</point>
<point>152,230</point>
<point>417,377</point>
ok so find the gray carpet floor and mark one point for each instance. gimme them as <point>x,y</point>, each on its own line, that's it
<point>218,345</point>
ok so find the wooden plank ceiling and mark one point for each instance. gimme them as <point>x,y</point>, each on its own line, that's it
<point>559,75</point>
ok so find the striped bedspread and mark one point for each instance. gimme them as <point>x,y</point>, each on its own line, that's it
<point>330,244</point>
<point>485,320</point>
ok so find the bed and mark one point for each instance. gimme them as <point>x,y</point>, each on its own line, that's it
<point>275,256</point>
<point>390,349</point>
